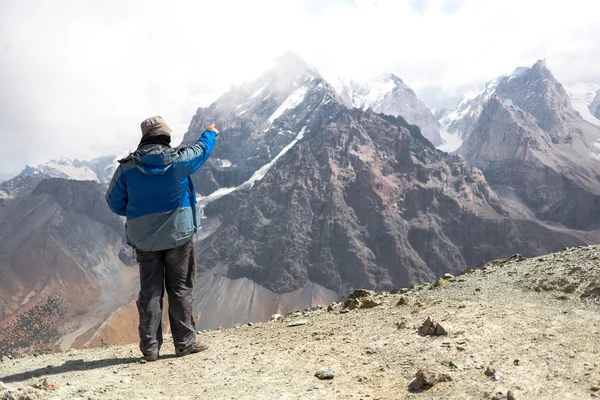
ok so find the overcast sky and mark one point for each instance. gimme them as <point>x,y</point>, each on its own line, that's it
<point>77,77</point>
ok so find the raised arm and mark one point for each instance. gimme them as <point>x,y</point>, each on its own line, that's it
<point>194,156</point>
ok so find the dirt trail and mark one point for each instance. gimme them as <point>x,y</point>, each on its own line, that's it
<point>526,318</point>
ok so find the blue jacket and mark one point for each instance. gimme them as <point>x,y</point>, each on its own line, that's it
<point>152,187</point>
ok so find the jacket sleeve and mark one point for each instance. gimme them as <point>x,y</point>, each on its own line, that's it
<point>194,156</point>
<point>116,196</point>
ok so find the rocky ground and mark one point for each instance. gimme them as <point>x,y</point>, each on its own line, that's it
<point>513,329</point>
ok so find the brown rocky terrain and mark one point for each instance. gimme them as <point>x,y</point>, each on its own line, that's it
<point>511,329</point>
<point>63,266</point>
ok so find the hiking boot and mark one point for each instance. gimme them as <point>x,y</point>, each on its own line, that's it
<point>150,356</point>
<point>196,348</point>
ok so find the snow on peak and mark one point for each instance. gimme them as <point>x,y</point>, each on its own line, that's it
<point>370,93</point>
<point>582,95</point>
<point>292,101</point>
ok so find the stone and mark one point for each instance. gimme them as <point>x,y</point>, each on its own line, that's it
<point>401,325</point>
<point>47,384</point>
<point>369,302</point>
<point>510,395</point>
<point>369,350</point>
<point>300,322</point>
<point>426,379</point>
<point>325,374</point>
<point>402,301</point>
<point>432,328</point>
<point>276,317</point>
<point>448,276</point>
<point>491,372</point>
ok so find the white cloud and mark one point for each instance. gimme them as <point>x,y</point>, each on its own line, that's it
<point>76,78</point>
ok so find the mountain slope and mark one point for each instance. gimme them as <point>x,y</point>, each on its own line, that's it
<point>62,264</point>
<point>388,94</point>
<point>529,139</point>
<point>533,321</point>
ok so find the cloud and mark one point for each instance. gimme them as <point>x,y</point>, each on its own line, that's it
<point>76,78</point>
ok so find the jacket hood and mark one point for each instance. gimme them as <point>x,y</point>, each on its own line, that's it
<point>150,159</point>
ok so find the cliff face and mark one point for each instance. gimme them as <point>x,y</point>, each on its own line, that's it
<point>528,139</point>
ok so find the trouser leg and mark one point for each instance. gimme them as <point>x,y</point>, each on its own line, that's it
<point>150,299</point>
<point>180,276</point>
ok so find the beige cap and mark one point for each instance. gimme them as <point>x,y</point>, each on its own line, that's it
<point>155,123</point>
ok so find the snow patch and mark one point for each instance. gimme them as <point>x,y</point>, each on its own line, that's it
<point>452,141</point>
<point>290,102</point>
<point>258,92</point>
<point>582,95</point>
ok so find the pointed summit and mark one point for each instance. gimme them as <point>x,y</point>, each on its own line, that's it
<point>388,94</point>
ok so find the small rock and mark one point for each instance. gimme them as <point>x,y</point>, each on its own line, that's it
<point>402,301</point>
<point>490,371</point>
<point>401,325</point>
<point>142,361</point>
<point>432,328</point>
<point>595,388</point>
<point>276,317</point>
<point>344,311</point>
<point>250,324</point>
<point>497,376</point>
<point>426,379</point>
<point>369,351</point>
<point>448,276</point>
<point>510,395</point>
<point>369,302</point>
<point>300,322</point>
<point>325,373</point>
<point>47,384</point>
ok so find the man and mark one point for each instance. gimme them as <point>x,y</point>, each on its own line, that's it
<point>153,189</point>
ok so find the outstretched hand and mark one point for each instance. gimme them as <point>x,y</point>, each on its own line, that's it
<point>212,128</point>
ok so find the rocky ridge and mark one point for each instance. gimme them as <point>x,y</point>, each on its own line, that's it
<point>515,329</point>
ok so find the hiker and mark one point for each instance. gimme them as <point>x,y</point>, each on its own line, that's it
<point>152,187</point>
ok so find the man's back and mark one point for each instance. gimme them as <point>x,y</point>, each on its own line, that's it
<point>153,189</point>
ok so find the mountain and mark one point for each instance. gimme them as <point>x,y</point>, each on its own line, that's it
<point>531,144</point>
<point>388,94</point>
<point>512,329</point>
<point>306,198</point>
<point>63,265</point>
<point>585,98</point>
<point>99,169</point>
<point>462,119</point>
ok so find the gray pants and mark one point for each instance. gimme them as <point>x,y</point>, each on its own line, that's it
<point>175,270</point>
